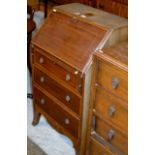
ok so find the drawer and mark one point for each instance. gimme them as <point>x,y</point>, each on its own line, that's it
<point>111,108</point>
<point>112,135</point>
<point>61,116</point>
<point>69,75</point>
<point>113,78</point>
<point>71,100</point>
<point>96,148</point>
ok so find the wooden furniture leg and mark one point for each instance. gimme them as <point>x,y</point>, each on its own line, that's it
<point>36,117</point>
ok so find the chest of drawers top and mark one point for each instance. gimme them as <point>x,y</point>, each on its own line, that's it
<point>117,54</point>
<point>73,32</point>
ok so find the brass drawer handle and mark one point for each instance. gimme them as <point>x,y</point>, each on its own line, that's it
<point>41,60</point>
<point>42,101</point>
<point>42,79</point>
<point>67,121</point>
<point>68,77</point>
<point>68,98</point>
<point>115,82</point>
<point>111,111</point>
<point>111,134</point>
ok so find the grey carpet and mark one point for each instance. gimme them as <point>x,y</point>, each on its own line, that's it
<point>33,149</point>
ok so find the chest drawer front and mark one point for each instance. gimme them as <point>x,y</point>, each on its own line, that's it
<point>113,78</point>
<point>111,108</point>
<point>70,76</point>
<point>61,116</point>
<point>64,95</point>
<point>96,148</point>
<point>112,136</point>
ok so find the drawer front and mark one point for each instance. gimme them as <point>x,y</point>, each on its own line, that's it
<point>112,136</point>
<point>96,148</point>
<point>65,96</point>
<point>111,108</point>
<point>113,78</point>
<point>70,76</point>
<point>62,117</point>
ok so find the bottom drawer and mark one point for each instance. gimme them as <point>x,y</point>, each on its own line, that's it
<point>112,135</point>
<point>61,116</point>
<point>96,148</point>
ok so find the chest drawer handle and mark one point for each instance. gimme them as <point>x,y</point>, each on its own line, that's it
<point>111,111</point>
<point>41,60</point>
<point>67,121</point>
<point>115,82</point>
<point>68,98</point>
<point>111,134</point>
<point>42,101</point>
<point>42,79</point>
<point>68,77</point>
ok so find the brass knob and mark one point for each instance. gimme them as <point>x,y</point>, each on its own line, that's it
<point>54,10</point>
<point>42,101</point>
<point>41,60</point>
<point>115,82</point>
<point>68,98</point>
<point>68,77</point>
<point>67,121</point>
<point>76,72</point>
<point>111,134</point>
<point>42,79</point>
<point>111,111</point>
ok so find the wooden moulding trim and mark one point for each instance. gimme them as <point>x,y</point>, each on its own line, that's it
<point>58,127</point>
<point>58,102</point>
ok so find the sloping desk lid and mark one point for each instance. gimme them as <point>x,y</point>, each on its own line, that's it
<point>69,38</point>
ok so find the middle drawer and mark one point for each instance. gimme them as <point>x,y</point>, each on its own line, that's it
<point>111,108</point>
<point>71,100</point>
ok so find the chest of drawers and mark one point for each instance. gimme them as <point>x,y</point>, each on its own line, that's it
<point>61,71</point>
<point>108,116</point>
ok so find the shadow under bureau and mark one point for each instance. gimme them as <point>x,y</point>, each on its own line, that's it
<point>62,60</point>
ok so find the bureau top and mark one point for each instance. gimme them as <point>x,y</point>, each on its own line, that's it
<point>117,54</point>
<point>94,16</point>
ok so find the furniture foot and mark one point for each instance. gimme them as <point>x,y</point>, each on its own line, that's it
<point>36,118</point>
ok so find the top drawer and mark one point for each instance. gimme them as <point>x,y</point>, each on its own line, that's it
<point>113,78</point>
<point>69,75</point>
